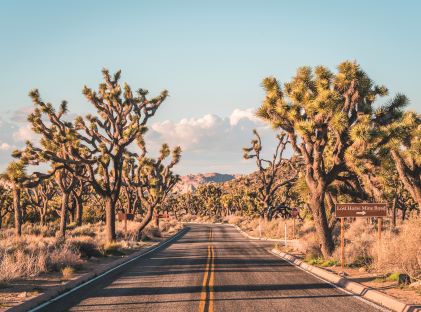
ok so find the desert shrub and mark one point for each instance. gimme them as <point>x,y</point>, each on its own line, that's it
<point>67,272</point>
<point>321,262</point>
<point>151,232</point>
<point>169,226</point>
<point>113,249</point>
<point>39,230</point>
<point>359,239</point>
<point>85,245</point>
<point>309,244</point>
<point>64,256</point>
<point>233,219</point>
<point>20,263</point>
<point>401,251</point>
<point>84,230</point>
<point>393,277</point>
<point>132,230</point>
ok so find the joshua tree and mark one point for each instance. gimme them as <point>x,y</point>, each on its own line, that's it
<point>57,139</point>
<point>318,110</point>
<point>14,176</point>
<point>6,201</point>
<point>79,191</point>
<point>405,148</point>
<point>92,149</point>
<point>272,174</point>
<point>210,198</point>
<point>39,197</point>
<point>153,179</point>
<point>121,120</point>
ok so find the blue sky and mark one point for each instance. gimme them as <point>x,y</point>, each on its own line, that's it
<point>210,55</point>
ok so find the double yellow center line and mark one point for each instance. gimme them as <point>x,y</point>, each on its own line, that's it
<point>206,297</point>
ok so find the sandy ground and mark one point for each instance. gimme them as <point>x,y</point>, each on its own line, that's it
<point>406,294</point>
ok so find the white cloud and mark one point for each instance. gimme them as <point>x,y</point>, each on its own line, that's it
<point>5,146</point>
<point>211,143</point>
<point>239,114</point>
<point>24,133</point>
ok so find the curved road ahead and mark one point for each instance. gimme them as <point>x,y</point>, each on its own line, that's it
<point>210,268</point>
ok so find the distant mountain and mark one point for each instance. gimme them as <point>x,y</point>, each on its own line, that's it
<point>190,182</point>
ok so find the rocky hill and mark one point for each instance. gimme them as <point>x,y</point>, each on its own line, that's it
<point>190,182</point>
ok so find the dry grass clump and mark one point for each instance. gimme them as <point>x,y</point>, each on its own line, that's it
<point>359,239</point>
<point>39,251</point>
<point>401,251</point>
<point>200,219</point>
<point>68,272</point>
<point>20,263</point>
<point>86,246</point>
<point>132,230</point>
<point>169,226</point>
<point>113,249</point>
<point>233,219</point>
<point>309,244</point>
<point>31,256</point>
<point>257,227</point>
<point>90,230</point>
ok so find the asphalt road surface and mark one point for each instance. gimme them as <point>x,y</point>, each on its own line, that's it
<point>210,268</point>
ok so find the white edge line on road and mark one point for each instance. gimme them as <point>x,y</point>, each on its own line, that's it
<point>377,306</point>
<point>107,272</point>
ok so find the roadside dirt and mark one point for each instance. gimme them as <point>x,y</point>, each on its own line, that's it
<point>410,295</point>
<point>407,294</point>
<point>19,291</point>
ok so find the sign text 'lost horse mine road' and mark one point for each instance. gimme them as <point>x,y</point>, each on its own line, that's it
<point>353,210</point>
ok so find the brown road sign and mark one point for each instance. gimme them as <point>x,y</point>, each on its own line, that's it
<point>354,210</point>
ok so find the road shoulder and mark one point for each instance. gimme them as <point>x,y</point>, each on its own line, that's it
<point>62,290</point>
<point>350,286</point>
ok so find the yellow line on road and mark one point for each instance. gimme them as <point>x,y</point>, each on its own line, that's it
<point>205,280</point>
<point>211,279</point>
<point>208,280</point>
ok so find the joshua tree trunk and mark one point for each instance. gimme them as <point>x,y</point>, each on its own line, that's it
<point>63,213</point>
<point>146,219</point>
<point>79,211</point>
<point>156,221</point>
<point>394,211</point>
<point>410,178</point>
<point>43,213</point>
<point>17,210</point>
<point>317,207</point>
<point>110,218</point>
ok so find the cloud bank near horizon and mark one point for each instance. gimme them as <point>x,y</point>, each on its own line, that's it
<point>210,143</point>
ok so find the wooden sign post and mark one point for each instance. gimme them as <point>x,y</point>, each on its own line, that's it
<point>294,214</point>
<point>359,210</point>
<point>342,243</point>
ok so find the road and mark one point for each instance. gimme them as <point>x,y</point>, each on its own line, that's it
<point>210,268</point>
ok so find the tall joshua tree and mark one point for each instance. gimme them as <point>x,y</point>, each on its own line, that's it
<point>318,109</point>
<point>92,149</point>
<point>57,138</point>
<point>121,119</point>
<point>272,174</point>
